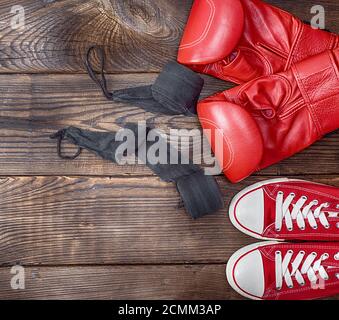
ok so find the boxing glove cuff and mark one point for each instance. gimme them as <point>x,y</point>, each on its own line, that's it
<point>317,78</point>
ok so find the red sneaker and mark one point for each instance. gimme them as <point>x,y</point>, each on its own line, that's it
<point>286,209</point>
<point>285,271</point>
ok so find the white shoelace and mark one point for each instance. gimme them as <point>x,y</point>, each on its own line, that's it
<point>300,213</point>
<point>309,267</point>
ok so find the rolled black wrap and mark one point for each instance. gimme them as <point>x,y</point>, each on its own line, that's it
<point>178,88</point>
<point>200,193</point>
<point>175,91</point>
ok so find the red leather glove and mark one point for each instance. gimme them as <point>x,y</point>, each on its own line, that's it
<point>273,117</point>
<point>239,40</point>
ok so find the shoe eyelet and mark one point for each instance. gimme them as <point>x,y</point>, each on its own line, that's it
<point>302,228</point>
<point>278,288</point>
<point>337,225</point>
<point>292,194</point>
<point>327,226</point>
<point>304,197</point>
<point>278,253</point>
<point>336,256</point>
<point>337,275</point>
<point>327,205</point>
<point>290,229</point>
<point>290,287</point>
<point>315,227</point>
<point>316,202</point>
<point>278,229</point>
<point>302,284</point>
<point>326,255</point>
<point>290,251</point>
<point>314,254</point>
<point>302,252</point>
<point>280,192</point>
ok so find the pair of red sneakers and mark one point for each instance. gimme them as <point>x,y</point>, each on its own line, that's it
<point>286,210</point>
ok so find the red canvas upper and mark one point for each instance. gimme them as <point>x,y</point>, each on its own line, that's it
<point>321,288</point>
<point>324,194</point>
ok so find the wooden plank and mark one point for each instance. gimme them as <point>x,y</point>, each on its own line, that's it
<point>121,282</point>
<point>67,99</point>
<point>137,36</point>
<point>26,149</point>
<point>32,107</point>
<point>77,221</point>
<point>167,282</point>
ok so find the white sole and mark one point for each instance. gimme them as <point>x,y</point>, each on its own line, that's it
<point>235,257</point>
<point>246,190</point>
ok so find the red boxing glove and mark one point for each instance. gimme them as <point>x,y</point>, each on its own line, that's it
<point>239,40</point>
<point>273,117</point>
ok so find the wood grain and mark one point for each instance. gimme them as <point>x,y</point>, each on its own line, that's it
<point>152,282</point>
<point>137,36</point>
<point>74,221</point>
<point>89,229</point>
<point>121,282</point>
<point>68,99</point>
<point>140,36</point>
<point>26,149</point>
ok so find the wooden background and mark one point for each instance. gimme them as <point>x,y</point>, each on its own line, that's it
<point>87,228</point>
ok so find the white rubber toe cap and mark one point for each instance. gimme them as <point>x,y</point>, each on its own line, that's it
<point>247,211</point>
<point>245,272</point>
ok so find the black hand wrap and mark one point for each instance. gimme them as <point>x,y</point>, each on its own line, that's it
<point>200,193</point>
<point>175,91</point>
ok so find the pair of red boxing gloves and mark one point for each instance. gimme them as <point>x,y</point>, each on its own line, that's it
<point>288,75</point>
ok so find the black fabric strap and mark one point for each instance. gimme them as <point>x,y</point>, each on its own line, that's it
<point>178,88</point>
<point>60,136</point>
<point>175,91</point>
<point>102,83</point>
<point>199,192</point>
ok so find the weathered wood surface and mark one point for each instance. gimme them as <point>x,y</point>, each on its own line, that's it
<point>61,100</point>
<point>121,282</point>
<point>149,282</point>
<point>72,221</point>
<point>26,149</point>
<point>88,228</point>
<point>137,36</point>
